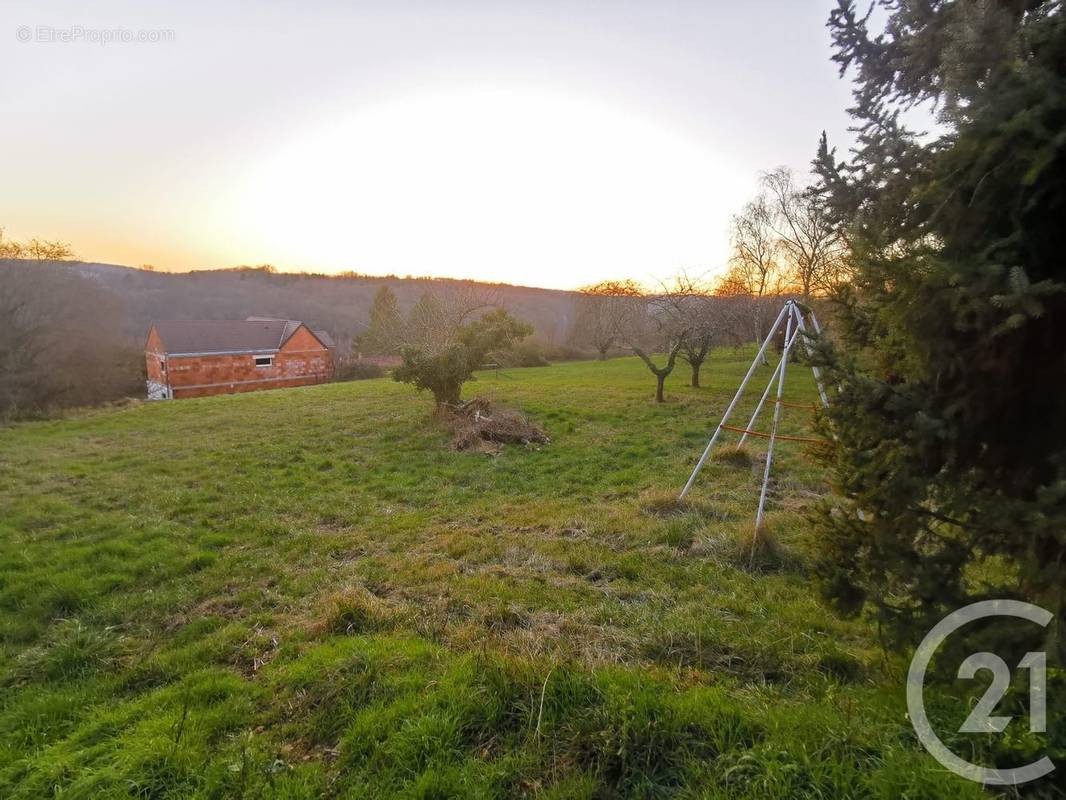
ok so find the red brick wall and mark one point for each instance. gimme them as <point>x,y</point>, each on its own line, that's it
<point>301,362</point>
<point>235,388</point>
<point>154,358</point>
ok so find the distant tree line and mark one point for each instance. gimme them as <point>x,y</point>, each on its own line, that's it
<point>35,249</point>
<point>682,319</point>
<point>73,333</point>
<point>340,304</point>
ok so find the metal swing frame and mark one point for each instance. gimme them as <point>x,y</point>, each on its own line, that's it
<point>793,315</point>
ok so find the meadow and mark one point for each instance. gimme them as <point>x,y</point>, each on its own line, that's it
<point>306,593</point>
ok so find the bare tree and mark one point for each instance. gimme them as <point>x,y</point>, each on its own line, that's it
<point>435,321</point>
<point>658,324</point>
<point>756,268</point>
<point>621,313</point>
<point>602,313</point>
<point>815,253</point>
<point>9,248</point>
<point>697,314</point>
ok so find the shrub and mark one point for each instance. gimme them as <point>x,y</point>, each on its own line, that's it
<point>523,354</point>
<point>449,357</point>
<point>565,352</point>
<point>358,371</point>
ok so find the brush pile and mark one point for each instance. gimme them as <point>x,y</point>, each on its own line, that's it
<point>482,427</point>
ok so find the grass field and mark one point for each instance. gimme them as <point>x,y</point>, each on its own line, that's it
<point>304,592</point>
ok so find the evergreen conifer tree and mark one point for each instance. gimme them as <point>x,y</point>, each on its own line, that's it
<point>950,355</point>
<point>384,335</point>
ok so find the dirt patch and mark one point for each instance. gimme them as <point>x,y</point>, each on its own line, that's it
<point>482,427</point>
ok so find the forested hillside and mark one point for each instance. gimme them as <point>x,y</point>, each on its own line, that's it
<point>339,304</point>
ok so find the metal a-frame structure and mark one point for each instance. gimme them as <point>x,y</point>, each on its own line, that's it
<point>795,317</point>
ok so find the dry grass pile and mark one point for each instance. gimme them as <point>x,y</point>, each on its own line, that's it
<point>480,426</point>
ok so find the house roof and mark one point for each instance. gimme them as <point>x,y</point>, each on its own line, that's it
<point>322,336</point>
<point>252,335</point>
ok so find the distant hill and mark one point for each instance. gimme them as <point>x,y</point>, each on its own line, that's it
<point>339,304</point>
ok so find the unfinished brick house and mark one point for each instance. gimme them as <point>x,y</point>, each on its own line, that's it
<point>205,357</point>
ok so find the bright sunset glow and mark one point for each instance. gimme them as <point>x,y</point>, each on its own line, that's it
<point>527,186</point>
<point>546,145</point>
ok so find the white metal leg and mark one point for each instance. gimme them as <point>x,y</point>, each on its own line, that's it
<point>736,397</point>
<point>773,433</point>
<point>765,394</point>
<point>807,349</point>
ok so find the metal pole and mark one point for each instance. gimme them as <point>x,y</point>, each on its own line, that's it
<point>762,400</point>
<point>736,397</point>
<point>758,408</point>
<point>807,348</point>
<point>814,322</point>
<point>773,438</point>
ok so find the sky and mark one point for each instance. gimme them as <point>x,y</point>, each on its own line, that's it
<point>542,143</point>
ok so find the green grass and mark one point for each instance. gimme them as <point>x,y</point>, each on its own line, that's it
<point>304,593</point>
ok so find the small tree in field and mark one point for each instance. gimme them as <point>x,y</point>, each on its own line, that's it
<point>658,324</point>
<point>672,345</point>
<point>696,313</point>
<point>622,313</point>
<point>444,349</point>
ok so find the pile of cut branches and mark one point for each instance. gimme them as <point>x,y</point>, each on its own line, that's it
<point>480,426</point>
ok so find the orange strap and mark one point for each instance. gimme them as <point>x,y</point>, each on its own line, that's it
<point>778,436</point>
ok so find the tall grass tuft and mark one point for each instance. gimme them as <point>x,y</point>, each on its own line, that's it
<point>70,651</point>
<point>356,610</point>
<point>757,551</point>
<point>764,552</point>
<point>733,456</point>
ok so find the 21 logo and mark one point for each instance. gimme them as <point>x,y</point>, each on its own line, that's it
<point>981,719</point>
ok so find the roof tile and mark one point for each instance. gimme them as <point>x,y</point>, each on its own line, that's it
<point>225,335</point>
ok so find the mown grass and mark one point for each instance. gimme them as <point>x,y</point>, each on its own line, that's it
<point>304,593</point>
